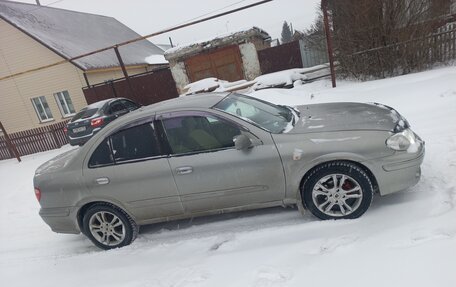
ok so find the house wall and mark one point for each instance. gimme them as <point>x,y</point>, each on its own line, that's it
<point>250,62</point>
<point>19,52</point>
<point>100,76</point>
<point>180,76</point>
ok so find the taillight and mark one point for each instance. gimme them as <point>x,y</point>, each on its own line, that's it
<point>65,130</point>
<point>38,193</point>
<point>96,122</point>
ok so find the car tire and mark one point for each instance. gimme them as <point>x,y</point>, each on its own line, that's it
<point>337,190</point>
<point>108,226</point>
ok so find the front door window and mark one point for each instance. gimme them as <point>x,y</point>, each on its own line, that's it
<point>199,133</point>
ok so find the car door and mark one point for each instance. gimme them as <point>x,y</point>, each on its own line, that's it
<point>210,173</point>
<point>130,168</point>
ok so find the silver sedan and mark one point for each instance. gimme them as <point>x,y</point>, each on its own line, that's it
<point>215,153</point>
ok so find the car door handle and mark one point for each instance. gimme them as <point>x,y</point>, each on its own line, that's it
<point>184,170</point>
<point>102,180</point>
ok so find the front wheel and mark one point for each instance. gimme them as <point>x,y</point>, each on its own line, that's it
<point>337,190</point>
<point>109,227</point>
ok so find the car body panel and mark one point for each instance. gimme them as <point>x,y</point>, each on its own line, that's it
<point>269,173</point>
<point>344,116</point>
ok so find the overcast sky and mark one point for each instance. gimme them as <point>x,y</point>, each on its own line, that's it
<point>148,16</point>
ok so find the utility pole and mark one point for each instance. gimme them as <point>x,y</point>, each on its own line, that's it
<point>329,44</point>
<point>9,144</point>
<point>38,2</point>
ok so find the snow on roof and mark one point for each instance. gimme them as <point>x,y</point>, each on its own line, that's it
<point>156,59</point>
<point>71,33</point>
<point>220,40</point>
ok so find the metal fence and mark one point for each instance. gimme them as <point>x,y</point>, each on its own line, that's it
<point>34,140</point>
<point>296,54</point>
<point>310,56</point>
<point>282,57</point>
<point>146,88</point>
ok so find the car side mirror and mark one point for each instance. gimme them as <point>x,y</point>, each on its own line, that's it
<point>242,142</point>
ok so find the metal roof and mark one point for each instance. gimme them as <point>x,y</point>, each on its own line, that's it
<point>70,33</point>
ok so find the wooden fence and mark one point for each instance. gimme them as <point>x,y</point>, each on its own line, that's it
<point>34,140</point>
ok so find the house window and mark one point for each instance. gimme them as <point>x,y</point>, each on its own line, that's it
<point>42,109</point>
<point>65,104</point>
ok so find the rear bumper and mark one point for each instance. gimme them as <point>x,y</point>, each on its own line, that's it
<point>61,220</point>
<point>394,175</point>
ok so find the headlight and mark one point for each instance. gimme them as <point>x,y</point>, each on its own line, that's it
<point>404,140</point>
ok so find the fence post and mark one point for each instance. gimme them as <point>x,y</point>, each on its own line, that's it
<point>54,136</point>
<point>324,7</point>
<point>11,147</point>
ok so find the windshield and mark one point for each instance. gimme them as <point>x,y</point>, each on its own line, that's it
<point>275,119</point>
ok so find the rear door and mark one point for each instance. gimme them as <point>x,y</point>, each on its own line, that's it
<point>129,167</point>
<point>210,173</point>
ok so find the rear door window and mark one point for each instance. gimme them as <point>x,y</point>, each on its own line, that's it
<point>135,143</point>
<point>128,145</point>
<point>102,155</point>
<point>130,105</point>
<point>116,107</point>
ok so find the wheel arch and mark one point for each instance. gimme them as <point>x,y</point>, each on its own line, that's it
<point>369,173</point>
<point>86,205</point>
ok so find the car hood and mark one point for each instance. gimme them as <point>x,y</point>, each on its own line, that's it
<point>347,116</point>
<point>57,163</point>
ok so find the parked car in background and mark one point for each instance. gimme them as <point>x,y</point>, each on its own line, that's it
<point>96,116</point>
<point>216,153</point>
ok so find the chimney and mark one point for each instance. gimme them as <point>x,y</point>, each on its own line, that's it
<point>38,2</point>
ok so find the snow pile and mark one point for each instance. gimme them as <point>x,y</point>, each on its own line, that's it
<point>289,78</point>
<point>404,239</point>
<point>212,85</point>
<point>286,78</point>
<point>156,59</point>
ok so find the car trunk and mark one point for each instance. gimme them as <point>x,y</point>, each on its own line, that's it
<point>80,125</point>
<point>58,162</point>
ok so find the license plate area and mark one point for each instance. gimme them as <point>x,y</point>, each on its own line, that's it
<point>78,130</point>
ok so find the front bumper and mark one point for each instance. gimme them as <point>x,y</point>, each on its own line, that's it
<point>61,220</point>
<point>399,171</point>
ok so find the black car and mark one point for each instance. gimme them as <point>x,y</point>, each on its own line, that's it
<point>95,116</point>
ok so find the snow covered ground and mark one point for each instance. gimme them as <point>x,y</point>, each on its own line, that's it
<point>405,239</point>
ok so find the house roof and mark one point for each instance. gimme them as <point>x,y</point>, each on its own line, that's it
<point>219,41</point>
<point>70,34</point>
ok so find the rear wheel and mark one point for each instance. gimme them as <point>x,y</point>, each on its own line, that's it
<point>337,190</point>
<point>109,227</point>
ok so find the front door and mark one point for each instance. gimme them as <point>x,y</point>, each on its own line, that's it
<point>210,173</point>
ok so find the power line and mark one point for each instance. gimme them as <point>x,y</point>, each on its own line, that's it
<point>214,11</point>
<point>42,6</point>
<point>139,38</point>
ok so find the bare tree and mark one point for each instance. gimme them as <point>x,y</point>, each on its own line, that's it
<point>380,38</point>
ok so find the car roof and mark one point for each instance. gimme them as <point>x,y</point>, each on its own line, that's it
<point>100,104</point>
<point>206,100</point>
